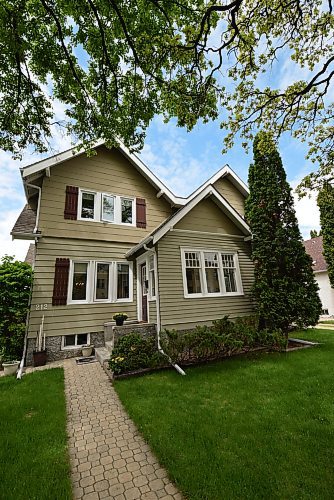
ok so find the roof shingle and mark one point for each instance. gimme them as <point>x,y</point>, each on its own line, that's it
<point>315,249</point>
<point>26,221</point>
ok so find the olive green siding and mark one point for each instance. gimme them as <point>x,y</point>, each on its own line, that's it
<point>152,311</point>
<point>110,172</point>
<point>232,194</point>
<point>73,318</point>
<point>206,216</point>
<point>179,312</point>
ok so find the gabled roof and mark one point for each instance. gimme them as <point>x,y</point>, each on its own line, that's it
<point>223,172</point>
<point>47,163</point>
<point>208,191</point>
<point>314,248</point>
<point>32,171</point>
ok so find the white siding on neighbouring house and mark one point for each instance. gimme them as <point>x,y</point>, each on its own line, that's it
<point>326,292</point>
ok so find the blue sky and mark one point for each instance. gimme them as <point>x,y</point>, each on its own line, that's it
<point>182,160</point>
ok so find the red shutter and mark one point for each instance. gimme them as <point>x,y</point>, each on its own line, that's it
<point>60,284</point>
<point>71,203</point>
<point>141,212</point>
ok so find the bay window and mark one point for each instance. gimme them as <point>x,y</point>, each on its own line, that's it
<point>210,273</point>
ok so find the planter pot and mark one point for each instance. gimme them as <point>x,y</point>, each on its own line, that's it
<point>11,367</point>
<point>39,358</point>
<point>119,321</point>
<point>87,351</point>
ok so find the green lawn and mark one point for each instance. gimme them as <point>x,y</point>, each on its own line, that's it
<point>33,445</point>
<point>254,428</point>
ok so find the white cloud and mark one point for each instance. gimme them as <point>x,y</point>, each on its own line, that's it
<point>18,248</point>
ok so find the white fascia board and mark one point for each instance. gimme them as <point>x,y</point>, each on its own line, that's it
<point>73,152</point>
<point>148,174</point>
<point>134,249</point>
<point>207,191</point>
<point>223,172</point>
<point>54,160</point>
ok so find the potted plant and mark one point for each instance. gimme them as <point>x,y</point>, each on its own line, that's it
<point>120,318</point>
<point>39,354</point>
<point>87,350</point>
<point>10,366</point>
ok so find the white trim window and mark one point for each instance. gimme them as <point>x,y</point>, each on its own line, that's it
<point>106,207</point>
<point>151,277</point>
<point>210,273</point>
<point>97,281</point>
<point>75,340</point>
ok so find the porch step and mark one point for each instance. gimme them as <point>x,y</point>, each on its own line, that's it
<point>109,346</point>
<point>102,354</point>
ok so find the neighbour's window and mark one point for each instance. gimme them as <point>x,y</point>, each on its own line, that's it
<point>123,281</point>
<point>79,282</point>
<point>108,208</point>
<point>75,340</point>
<point>87,205</point>
<point>126,209</point>
<point>193,272</point>
<point>229,270</point>
<point>102,282</point>
<point>151,269</point>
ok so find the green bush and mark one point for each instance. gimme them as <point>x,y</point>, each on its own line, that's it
<point>133,352</point>
<point>15,284</point>
<point>223,338</point>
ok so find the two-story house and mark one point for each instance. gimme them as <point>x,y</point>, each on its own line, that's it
<point>111,237</point>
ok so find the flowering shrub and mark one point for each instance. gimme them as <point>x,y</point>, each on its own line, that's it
<point>133,352</point>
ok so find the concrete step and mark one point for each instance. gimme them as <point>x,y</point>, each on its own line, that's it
<point>102,354</point>
<point>109,346</point>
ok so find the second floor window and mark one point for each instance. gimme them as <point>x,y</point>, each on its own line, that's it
<point>105,207</point>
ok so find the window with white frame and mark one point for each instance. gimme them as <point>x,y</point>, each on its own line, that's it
<point>75,340</point>
<point>94,281</point>
<point>105,207</point>
<point>151,271</point>
<point>210,273</point>
<point>193,272</point>
<point>87,205</point>
<point>79,281</point>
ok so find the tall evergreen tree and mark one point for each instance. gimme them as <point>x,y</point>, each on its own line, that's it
<point>326,206</point>
<point>284,289</point>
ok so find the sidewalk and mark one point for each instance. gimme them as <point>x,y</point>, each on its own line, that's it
<point>109,458</point>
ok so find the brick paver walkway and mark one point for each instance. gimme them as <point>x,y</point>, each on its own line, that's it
<point>109,458</point>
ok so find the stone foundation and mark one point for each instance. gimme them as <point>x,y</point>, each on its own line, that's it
<point>54,351</point>
<point>113,333</point>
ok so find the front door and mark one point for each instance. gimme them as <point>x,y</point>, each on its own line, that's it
<point>144,289</point>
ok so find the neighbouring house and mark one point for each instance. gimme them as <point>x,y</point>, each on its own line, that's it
<point>111,237</point>
<point>326,293</point>
<point>30,257</point>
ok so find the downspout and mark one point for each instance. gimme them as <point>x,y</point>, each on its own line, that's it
<point>20,370</point>
<point>160,349</point>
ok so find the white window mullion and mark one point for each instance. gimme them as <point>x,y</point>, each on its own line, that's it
<point>237,273</point>
<point>202,274</point>
<point>221,274</point>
